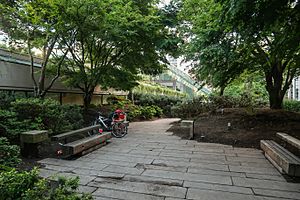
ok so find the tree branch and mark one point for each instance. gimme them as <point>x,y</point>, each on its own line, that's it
<point>57,72</point>
<point>31,63</point>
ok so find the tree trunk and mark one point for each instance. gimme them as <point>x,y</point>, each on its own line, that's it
<point>274,79</point>
<point>222,90</point>
<point>275,99</point>
<point>87,97</point>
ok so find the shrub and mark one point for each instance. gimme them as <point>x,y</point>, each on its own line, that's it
<point>28,186</point>
<point>9,154</point>
<point>134,113</point>
<point>190,108</point>
<point>5,99</point>
<point>291,105</point>
<point>245,100</point>
<point>158,110</point>
<point>148,112</point>
<point>163,101</point>
<point>11,126</point>
<point>55,117</point>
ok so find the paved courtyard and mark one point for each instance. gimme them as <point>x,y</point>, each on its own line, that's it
<point>152,164</point>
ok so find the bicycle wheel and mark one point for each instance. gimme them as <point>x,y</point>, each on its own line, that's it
<point>119,130</point>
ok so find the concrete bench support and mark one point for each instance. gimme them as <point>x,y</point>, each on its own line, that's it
<point>30,140</point>
<point>188,124</point>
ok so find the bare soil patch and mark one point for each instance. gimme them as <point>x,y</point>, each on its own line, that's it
<point>247,126</point>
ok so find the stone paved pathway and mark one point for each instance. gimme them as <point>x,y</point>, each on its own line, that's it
<point>152,164</point>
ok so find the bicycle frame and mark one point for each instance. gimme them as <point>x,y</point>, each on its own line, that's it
<point>101,120</point>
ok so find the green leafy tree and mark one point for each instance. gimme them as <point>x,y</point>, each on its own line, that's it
<point>110,42</point>
<point>271,30</point>
<point>36,25</point>
<point>261,36</point>
<point>214,52</point>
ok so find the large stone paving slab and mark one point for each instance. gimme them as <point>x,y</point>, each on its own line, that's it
<point>152,164</point>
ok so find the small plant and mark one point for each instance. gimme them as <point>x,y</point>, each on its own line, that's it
<point>148,112</point>
<point>9,154</point>
<point>134,113</point>
<point>291,105</point>
<point>29,186</point>
<point>159,111</point>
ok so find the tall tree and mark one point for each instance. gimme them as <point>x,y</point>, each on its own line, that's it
<point>214,52</point>
<point>262,36</point>
<point>271,30</point>
<point>110,43</point>
<point>36,25</point>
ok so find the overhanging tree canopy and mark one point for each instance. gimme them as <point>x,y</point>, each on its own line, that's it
<point>229,36</point>
<point>110,43</point>
<point>36,24</point>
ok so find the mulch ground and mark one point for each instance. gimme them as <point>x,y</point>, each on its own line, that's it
<point>248,126</point>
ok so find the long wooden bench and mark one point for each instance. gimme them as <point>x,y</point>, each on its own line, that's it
<point>282,159</point>
<point>84,143</point>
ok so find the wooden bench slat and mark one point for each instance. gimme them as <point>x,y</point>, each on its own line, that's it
<point>289,139</point>
<point>287,161</point>
<point>86,143</point>
<point>70,133</point>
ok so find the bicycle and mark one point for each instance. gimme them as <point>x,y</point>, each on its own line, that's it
<point>118,126</point>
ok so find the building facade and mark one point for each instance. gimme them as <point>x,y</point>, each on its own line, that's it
<point>15,76</point>
<point>294,90</point>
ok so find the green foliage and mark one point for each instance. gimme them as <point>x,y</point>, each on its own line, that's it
<point>190,108</point>
<point>5,99</point>
<point>231,36</point>
<point>37,114</point>
<point>25,185</point>
<point>9,154</point>
<point>53,116</point>
<point>148,112</point>
<point>196,106</point>
<point>158,110</point>
<point>291,105</point>
<point>134,113</point>
<point>114,40</point>
<point>11,125</point>
<point>138,112</point>
<point>36,24</point>
<point>163,101</point>
<point>251,84</point>
<point>156,89</point>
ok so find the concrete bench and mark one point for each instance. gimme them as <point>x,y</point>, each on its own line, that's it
<point>282,159</point>
<point>289,139</point>
<point>83,145</point>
